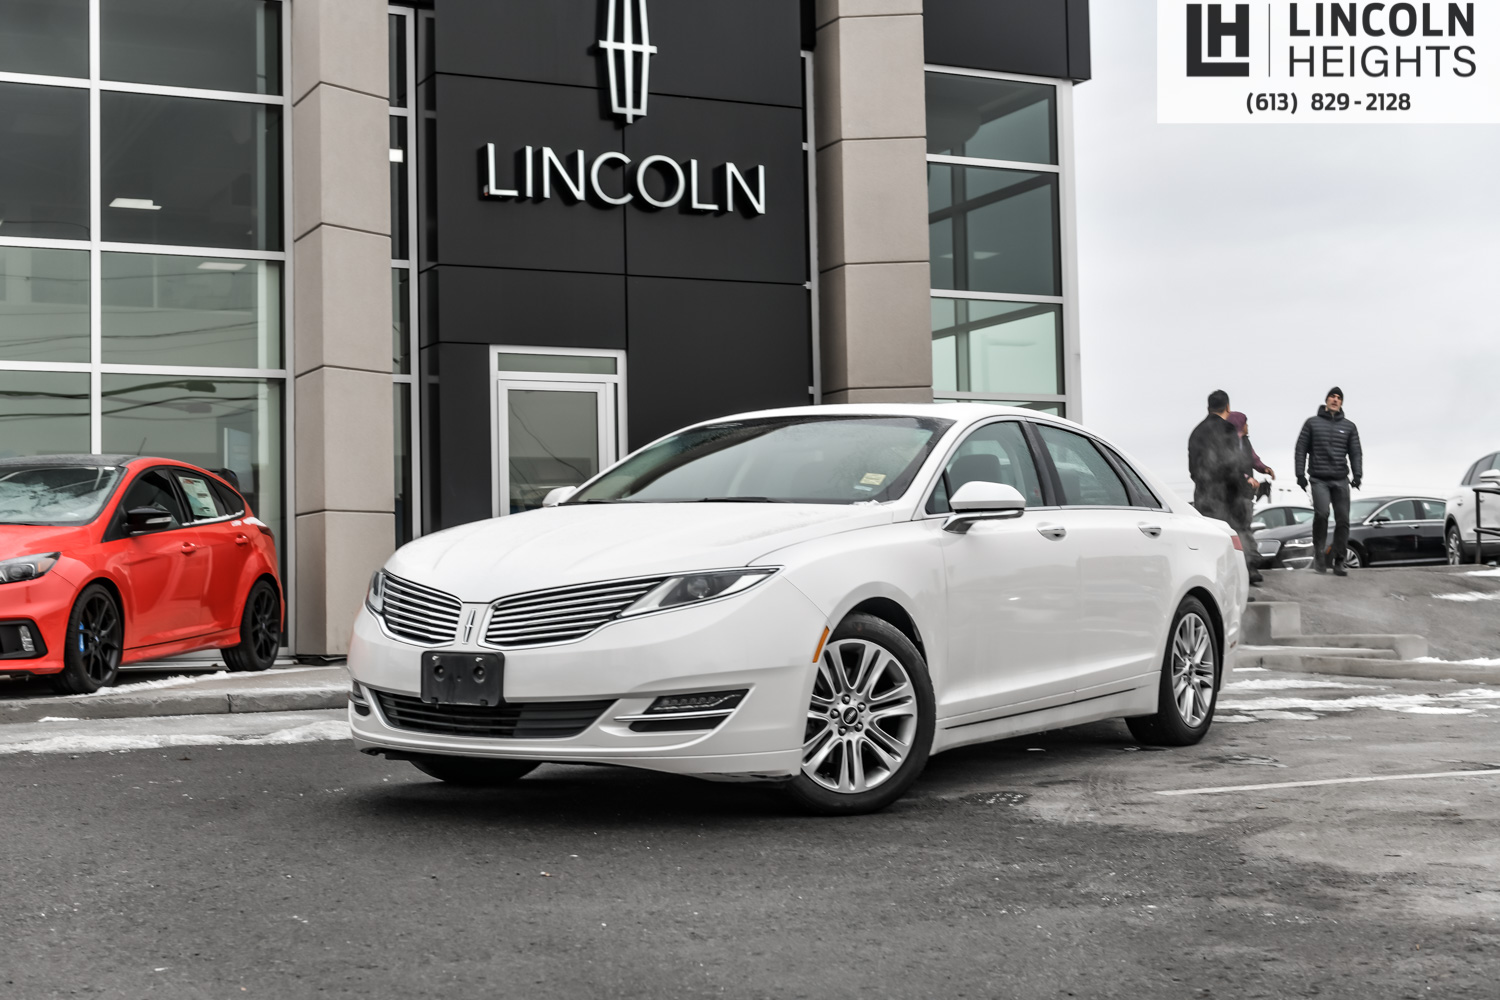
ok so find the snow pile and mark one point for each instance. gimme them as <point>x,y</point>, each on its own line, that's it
<point>312,732</point>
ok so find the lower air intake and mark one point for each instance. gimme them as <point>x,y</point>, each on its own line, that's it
<point>544,720</point>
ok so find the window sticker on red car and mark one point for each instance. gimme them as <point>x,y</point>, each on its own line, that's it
<point>200,497</point>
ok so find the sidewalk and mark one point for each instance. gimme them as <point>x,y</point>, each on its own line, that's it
<point>289,689</point>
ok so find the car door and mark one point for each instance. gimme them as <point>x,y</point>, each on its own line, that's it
<point>1124,559</point>
<point>155,568</point>
<point>1012,584</point>
<point>1390,534</point>
<point>223,551</point>
<point>1465,502</point>
<point>1433,516</point>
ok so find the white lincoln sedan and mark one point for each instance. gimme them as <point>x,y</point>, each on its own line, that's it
<point>819,597</point>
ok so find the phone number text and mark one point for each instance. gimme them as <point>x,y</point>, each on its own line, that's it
<point>1289,102</point>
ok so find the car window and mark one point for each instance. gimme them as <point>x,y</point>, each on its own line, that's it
<point>1087,479</point>
<point>232,503</point>
<point>1433,510</point>
<point>1301,515</point>
<point>203,505</point>
<point>1142,495</point>
<point>1272,517</point>
<point>153,489</point>
<point>995,453</point>
<point>1401,510</point>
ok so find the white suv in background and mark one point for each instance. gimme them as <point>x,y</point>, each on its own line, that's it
<point>1459,531</point>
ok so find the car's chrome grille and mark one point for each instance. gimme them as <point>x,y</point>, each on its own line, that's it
<point>563,614</point>
<point>536,720</point>
<point>420,613</point>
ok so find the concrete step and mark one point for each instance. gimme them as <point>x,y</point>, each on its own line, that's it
<point>1287,657</point>
<point>1266,621</point>
<point>1406,647</point>
<point>1415,670</point>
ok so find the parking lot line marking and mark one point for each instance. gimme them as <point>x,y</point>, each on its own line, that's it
<point>1328,781</point>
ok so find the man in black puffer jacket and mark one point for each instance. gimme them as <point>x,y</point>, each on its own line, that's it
<point>1328,453</point>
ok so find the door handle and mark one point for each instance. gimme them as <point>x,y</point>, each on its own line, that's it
<point>1052,531</point>
<point>242,539</point>
<point>1150,530</point>
<point>188,548</point>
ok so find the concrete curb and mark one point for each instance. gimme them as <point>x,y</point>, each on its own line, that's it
<point>1356,666</point>
<point>173,702</point>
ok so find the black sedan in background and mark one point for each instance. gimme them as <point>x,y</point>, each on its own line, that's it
<point>1382,531</point>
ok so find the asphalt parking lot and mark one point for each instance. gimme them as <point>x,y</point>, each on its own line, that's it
<point>255,855</point>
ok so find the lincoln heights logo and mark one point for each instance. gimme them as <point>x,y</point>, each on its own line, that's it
<point>627,50</point>
<point>1210,38</point>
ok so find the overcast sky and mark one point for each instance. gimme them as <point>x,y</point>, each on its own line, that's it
<point>1275,261</point>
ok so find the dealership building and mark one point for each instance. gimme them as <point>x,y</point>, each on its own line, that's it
<point>402,267</point>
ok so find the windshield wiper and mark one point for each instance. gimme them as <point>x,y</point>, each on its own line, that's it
<point>585,503</point>
<point>739,500</point>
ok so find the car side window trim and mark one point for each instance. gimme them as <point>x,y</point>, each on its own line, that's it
<point>1056,477</point>
<point>1130,476</point>
<point>1049,497</point>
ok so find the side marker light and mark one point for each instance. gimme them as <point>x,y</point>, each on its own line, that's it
<point>818,654</point>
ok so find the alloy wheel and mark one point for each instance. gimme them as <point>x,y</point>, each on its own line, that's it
<point>265,627</point>
<point>1455,548</point>
<point>862,718</point>
<point>1193,669</point>
<point>99,644</point>
<point>1352,559</point>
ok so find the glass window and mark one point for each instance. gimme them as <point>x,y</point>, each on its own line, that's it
<point>154,489</point>
<point>191,172</point>
<point>1433,510</point>
<point>44,305</point>
<point>840,460</point>
<point>214,423</point>
<point>48,37</point>
<point>54,494</point>
<point>213,312</point>
<point>1142,495</point>
<point>396,59</point>
<point>578,364</point>
<point>994,230</point>
<point>1271,517</point>
<point>991,119</point>
<point>400,320</point>
<point>205,44</point>
<point>1301,515</point>
<point>996,347</point>
<point>1361,509</point>
<point>1401,510</point>
<point>229,501</point>
<point>553,441</point>
<point>1087,479</point>
<point>44,162</point>
<point>202,505</point>
<point>44,413</point>
<point>399,167</point>
<point>996,453</point>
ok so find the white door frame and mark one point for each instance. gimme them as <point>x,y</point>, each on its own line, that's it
<point>610,387</point>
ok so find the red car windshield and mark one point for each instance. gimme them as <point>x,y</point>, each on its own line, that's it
<point>55,494</point>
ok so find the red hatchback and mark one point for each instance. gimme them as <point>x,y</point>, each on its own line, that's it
<point>112,559</point>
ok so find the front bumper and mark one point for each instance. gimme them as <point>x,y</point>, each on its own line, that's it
<point>43,605</point>
<point>762,641</point>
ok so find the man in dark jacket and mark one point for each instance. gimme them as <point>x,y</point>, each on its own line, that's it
<point>1220,468</point>
<point>1328,453</point>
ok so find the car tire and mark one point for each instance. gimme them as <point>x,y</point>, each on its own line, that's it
<point>1454,547</point>
<point>94,643</point>
<point>871,707</point>
<point>1354,557</point>
<point>1189,673</point>
<point>260,630</point>
<point>473,772</point>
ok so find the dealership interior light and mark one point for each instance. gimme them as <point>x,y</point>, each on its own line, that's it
<point>144,204</point>
<point>222,265</point>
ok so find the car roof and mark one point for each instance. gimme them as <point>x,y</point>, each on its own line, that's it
<point>88,461</point>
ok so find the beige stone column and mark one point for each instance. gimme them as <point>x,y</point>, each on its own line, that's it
<point>875,322</point>
<point>341,308</point>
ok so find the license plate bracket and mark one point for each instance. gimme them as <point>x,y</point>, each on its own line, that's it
<point>463,679</point>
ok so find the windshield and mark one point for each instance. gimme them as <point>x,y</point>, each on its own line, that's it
<point>1361,509</point>
<point>55,494</point>
<point>834,460</point>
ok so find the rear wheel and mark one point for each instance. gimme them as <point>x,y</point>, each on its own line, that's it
<point>1189,682</point>
<point>473,772</point>
<point>94,643</point>
<point>1455,547</point>
<point>260,630</point>
<point>869,724</point>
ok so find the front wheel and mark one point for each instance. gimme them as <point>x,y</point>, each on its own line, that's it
<point>473,772</point>
<point>1189,682</point>
<point>260,630</point>
<point>1455,547</point>
<point>94,643</point>
<point>869,724</point>
<point>1353,559</point>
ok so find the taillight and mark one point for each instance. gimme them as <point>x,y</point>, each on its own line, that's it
<point>1238,547</point>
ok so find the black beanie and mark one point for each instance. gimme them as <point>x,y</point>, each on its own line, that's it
<point>1335,391</point>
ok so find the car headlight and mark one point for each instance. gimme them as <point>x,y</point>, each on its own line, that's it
<point>695,588</point>
<point>27,567</point>
<point>1300,543</point>
<point>1269,547</point>
<point>375,596</point>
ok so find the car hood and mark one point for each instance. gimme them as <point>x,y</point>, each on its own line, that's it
<point>31,539</point>
<point>562,546</point>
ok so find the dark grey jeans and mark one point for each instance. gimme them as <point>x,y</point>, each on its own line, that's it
<point>1335,492</point>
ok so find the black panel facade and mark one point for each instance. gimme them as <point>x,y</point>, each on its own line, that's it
<point>1032,37</point>
<point>707,297</point>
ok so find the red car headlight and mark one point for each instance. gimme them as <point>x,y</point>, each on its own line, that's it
<point>27,567</point>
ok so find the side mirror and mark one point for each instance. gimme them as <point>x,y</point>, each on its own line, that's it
<point>144,520</point>
<point>559,495</point>
<point>981,501</point>
<point>1491,476</point>
<point>1257,525</point>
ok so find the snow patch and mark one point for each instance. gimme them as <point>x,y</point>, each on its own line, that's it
<point>1274,714</point>
<point>1460,663</point>
<point>1469,597</point>
<point>1483,572</point>
<point>1235,718</point>
<point>177,680</point>
<point>1276,684</point>
<point>332,729</point>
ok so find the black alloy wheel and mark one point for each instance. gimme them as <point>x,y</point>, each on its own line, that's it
<point>260,630</point>
<point>94,645</point>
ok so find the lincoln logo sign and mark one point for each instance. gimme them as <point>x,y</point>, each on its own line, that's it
<point>612,178</point>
